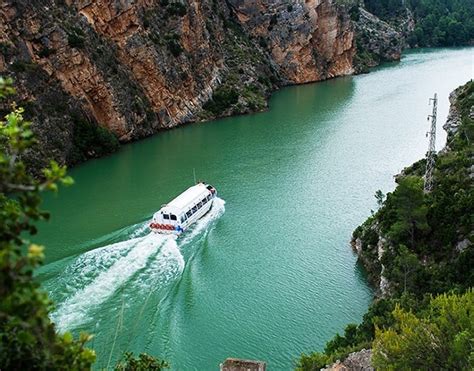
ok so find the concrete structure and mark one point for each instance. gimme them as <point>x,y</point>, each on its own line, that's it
<point>234,364</point>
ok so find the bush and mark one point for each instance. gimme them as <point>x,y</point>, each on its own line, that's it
<point>222,99</point>
<point>174,46</point>
<point>176,8</point>
<point>144,362</point>
<point>45,52</point>
<point>75,37</point>
<point>90,140</point>
<point>22,66</point>
<point>312,361</point>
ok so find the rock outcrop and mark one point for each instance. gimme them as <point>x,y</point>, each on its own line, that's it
<point>356,361</point>
<point>377,40</point>
<point>308,41</point>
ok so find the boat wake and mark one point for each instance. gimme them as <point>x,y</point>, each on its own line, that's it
<point>143,263</point>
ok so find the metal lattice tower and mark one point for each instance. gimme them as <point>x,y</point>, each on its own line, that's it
<point>430,155</point>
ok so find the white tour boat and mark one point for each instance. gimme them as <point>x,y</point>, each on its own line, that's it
<point>184,210</point>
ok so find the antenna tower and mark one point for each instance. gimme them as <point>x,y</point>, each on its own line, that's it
<point>430,155</point>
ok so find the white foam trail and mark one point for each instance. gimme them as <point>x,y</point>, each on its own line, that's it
<point>166,265</point>
<point>218,208</point>
<point>74,310</point>
<point>95,275</point>
<point>141,230</point>
<point>90,264</point>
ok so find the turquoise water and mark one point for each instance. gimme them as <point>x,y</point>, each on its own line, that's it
<point>269,272</point>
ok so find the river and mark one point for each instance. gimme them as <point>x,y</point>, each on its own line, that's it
<point>269,272</point>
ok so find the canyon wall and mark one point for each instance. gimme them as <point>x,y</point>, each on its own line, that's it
<point>134,67</point>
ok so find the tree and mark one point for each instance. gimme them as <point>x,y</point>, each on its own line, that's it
<point>441,337</point>
<point>405,264</point>
<point>380,197</point>
<point>410,210</point>
<point>28,339</point>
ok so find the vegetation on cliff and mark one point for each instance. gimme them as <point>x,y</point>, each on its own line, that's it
<point>438,22</point>
<point>417,247</point>
<point>28,339</point>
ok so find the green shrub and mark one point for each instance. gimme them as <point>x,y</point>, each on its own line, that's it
<point>75,37</point>
<point>90,140</point>
<point>222,99</point>
<point>176,8</point>
<point>174,47</point>
<point>143,362</point>
<point>22,66</point>
<point>173,44</point>
<point>45,52</point>
<point>312,362</point>
<point>262,42</point>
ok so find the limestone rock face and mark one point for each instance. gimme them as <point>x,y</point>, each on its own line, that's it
<point>379,40</point>
<point>309,41</point>
<point>134,67</point>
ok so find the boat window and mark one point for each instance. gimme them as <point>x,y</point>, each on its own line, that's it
<point>173,217</point>
<point>208,197</point>
<point>189,213</point>
<point>195,209</point>
<point>199,204</point>
<point>183,218</point>
<point>166,216</point>
<point>204,201</point>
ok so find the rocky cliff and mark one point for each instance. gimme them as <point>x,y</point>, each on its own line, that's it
<point>91,72</point>
<point>308,41</point>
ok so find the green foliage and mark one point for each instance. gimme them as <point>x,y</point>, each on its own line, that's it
<point>22,66</point>
<point>438,22</point>
<point>380,197</point>
<point>401,268</point>
<point>312,362</point>
<point>174,46</point>
<point>222,99</point>
<point>407,217</point>
<point>27,337</point>
<point>176,8</point>
<point>45,52</point>
<point>90,140</point>
<point>385,8</point>
<point>144,362</point>
<point>75,37</point>
<point>442,335</point>
<point>443,22</point>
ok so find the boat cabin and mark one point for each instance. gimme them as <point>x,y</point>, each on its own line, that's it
<point>186,208</point>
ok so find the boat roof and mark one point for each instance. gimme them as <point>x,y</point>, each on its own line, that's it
<point>186,198</point>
